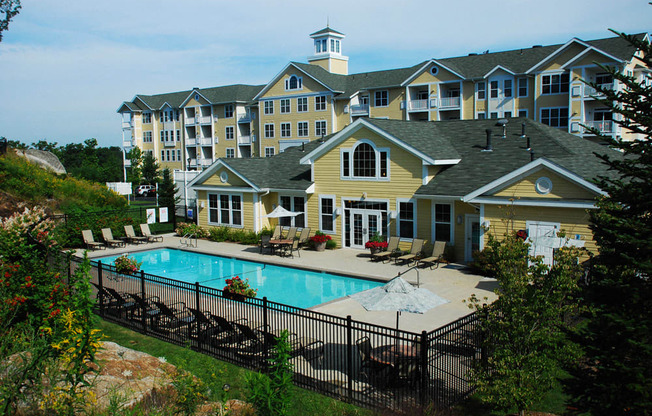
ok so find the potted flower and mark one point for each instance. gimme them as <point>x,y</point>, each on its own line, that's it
<point>238,289</point>
<point>376,244</point>
<point>319,240</point>
<point>126,265</point>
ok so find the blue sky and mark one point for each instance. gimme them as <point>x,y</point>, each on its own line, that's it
<point>66,66</point>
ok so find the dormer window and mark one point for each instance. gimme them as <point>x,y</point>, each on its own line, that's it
<point>294,83</point>
<point>365,161</point>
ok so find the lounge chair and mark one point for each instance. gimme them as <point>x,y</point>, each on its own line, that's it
<point>132,237</point>
<point>107,235</point>
<point>104,298</point>
<point>144,229</point>
<point>146,307</point>
<point>87,236</point>
<point>250,344</point>
<point>436,257</point>
<point>392,247</point>
<point>208,330</point>
<point>413,255</point>
<point>304,237</point>
<point>124,303</point>
<point>174,316</point>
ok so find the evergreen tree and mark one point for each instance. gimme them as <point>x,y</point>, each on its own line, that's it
<point>167,190</point>
<point>616,377</point>
<point>134,174</point>
<point>150,169</point>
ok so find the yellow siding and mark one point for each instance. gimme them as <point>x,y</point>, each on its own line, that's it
<point>442,76</point>
<point>268,202</point>
<point>339,66</point>
<point>468,96</point>
<point>233,180</point>
<point>560,59</point>
<point>278,88</point>
<point>393,109</point>
<point>572,221</point>
<point>424,211</point>
<point>247,210</point>
<point>561,188</point>
<point>460,239</point>
<point>591,58</point>
<point>196,103</point>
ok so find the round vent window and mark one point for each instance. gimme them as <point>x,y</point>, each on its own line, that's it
<point>543,185</point>
<point>224,177</point>
<point>434,70</point>
<point>197,97</point>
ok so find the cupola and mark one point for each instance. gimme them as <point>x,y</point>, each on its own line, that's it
<point>328,51</point>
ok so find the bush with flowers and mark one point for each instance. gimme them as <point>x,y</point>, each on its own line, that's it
<point>126,265</point>
<point>237,286</point>
<point>376,243</point>
<point>320,237</point>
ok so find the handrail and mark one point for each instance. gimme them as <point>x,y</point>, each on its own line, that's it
<point>186,240</point>
<point>415,267</point>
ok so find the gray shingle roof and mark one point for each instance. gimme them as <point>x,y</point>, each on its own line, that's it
<point>173,98</point>
<point>325,31</point>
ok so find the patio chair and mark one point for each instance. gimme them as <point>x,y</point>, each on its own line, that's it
<point>87,236</point>
<point>104,298</point>
<point>413,255</point>
<point>250,344</point>
<point>392,247</point>
<point>436,257</point>
<point>277,232</point>
<point>265,244</point>
<point>376,372</point>
<point>146,307</point>
<point>304,237</point>
<point>288,249</point>
<point>132,237</point>
<point>207,330</point>
<point>174,316</point>
<point>107,235</point>
<point>123,301</point>
<point>144,229</point>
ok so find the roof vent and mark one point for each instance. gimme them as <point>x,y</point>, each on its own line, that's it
<point>321,139</point>
<point>473,54</point>
<point>536,46</point>
<point>303,146</point>
<point>488,148</point>
<point>531,155</point>
<point>503,123</point>
<point>528,144</point>
<point>522,129</point>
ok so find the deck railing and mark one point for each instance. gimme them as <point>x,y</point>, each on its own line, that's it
<point>365,364</point>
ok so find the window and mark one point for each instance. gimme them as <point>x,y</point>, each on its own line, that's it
<point>179,155</point>
<point>269,107</point>
<point>555,117</point>
<point>167,154</point>
<point>302,104</point>
<point>493,87</point>
<point>295,204</point>
<point>481,116</point>
<point>285,105</point>
<point>167,136</point>
<point>269,131</point>
<point>230,152</point>
<point>147,118</point>
<point>173,154</point>
<point>443,222</point>
<point>522,87</point>
<point>147,136</point>
<point>604,79</point>
<point>493,115</point>
<point>228,111</point>
<point>269,151</point>
<point>302,129</point>
<point>162,155</point>
<point>326,211</point>
<point>162,136</point>
<point>320,103</point>
<point>482,90</point>
<point>507,114</point>
<point>365,161</point>
<point>507,88</point>
<point>554,84</point>
<point>405,219</point>
<point>381,98</point>
<point>228,133</point>
<point>293,83</point>
<point>176,115</point>
<point>225,209</point>
<point>286,129</point>
<point>160,117</point>
<point>332,45</point>
<point>178,135</point>
<point>320,128</point>
<point>318,46</point>
<point>522,113</point>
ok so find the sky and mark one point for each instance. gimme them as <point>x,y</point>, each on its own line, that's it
<point>67,65</point>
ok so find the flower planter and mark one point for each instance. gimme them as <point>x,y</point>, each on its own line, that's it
<point>320,246</point>
<point>234,296</point>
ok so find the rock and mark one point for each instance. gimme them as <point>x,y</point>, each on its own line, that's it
<point>46,160</point>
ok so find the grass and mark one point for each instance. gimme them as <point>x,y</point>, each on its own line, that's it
<point>215,373</point>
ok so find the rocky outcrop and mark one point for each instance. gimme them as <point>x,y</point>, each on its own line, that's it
<point>47,160</point>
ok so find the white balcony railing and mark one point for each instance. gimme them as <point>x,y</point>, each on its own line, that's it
<point>244,118</point>
<point>205,119</point>
<point>190,121</point>
<point>590,91</point>
<point>205,141</point>
<point>448,102</point>
<point>417,105</point>
<point>205,162</point>
<point>127,163</point>
<point>192,162</point>
<point>604,126</point>
<point>128,143</point>
<point>127,125</point>
<point>360,109</point>
<point>169,143</point>
<point>191,141</point>
<point>244,140</point>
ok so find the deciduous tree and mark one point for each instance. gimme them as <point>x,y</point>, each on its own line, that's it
<point>10,8</point>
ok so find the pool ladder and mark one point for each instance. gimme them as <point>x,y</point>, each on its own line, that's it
<point>186,240</point>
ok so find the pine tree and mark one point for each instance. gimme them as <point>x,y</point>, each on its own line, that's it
<point>167,190</point>
<point>150,169</point>
<point>616,377</point>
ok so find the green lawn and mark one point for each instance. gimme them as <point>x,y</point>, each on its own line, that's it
<point>215,373</point>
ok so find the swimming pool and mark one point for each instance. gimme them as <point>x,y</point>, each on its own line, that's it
<point>296,287</point>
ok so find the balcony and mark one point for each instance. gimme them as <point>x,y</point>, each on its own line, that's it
<point>169,143</point>
<point>603,126</point>
<point>127,163</point>
<point>192,162</point>
<point>590,92</point>
<point>205,162</point>
<point>205,119</point>
<point>449,102</point>
<point>191,141</point>
<point>244,117</point>
<point>126,125</point>
<point>128,143</point>
<point>360,110</point>
<point>417,105</point>
<point>190,121</point>
<point>244,140</point>
<point>205,141</point>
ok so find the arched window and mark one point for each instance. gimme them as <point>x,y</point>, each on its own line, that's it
<point>364,161</point>
<point>293,83</point>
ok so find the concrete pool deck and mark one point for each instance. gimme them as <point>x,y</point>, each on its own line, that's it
<point>453,282</point>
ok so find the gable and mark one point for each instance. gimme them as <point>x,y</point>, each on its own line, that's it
<point>590,58</point>
<point>193,102</point>
<point>562,188</point>
<point>558,60</point>
<point>277,87</point>
<point>441,75</point>
<point>233,180</point>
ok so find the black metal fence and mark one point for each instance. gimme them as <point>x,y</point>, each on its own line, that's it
<point>362,363</point>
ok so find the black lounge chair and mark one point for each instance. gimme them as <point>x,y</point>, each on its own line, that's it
<point>146,307</point>
<point>124,303</point>
<point>173,316</point>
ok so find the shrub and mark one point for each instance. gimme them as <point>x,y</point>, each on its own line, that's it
<point>320,237</point>
<point>185,228</point>
<point>331,244</point>
<point>219,234</point>
<point>68,233</point>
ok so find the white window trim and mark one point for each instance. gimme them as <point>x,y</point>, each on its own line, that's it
<point>230,194</point>
<point>307,129</point>
<point>477,89</point>
<point>484,113</point>
<point>518,87</point>
<point>293,208</point>
<point>414,216</point>
<point>232,110</point>
<point>321,227</point>
<point>555,108</point>
<point>265,131</point>
<point>527,113</point>
<point>452,222</point>
<point>286,124</point>
<point>377,151</point>
<point>226,152</point>
<point>375,101</point>
<point>289,106</point>
<point>270,147</point>
<point>325,102</point>
<point>302,111</point>
<point>550,74</point>
<point>265,107</point>
<point>226,134</point>
<point>325,128</point>
<point>299,82</point>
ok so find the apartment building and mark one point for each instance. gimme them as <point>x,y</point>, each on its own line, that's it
<point>307,101</point>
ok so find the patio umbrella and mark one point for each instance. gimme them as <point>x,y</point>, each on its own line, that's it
<point>279,212</point>
<point>398,295</point>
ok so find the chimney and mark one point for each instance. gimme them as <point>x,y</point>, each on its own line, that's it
<point>488,148</point>
<point>523,129</point>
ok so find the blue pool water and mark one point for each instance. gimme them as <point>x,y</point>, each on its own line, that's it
<point>296,287</point>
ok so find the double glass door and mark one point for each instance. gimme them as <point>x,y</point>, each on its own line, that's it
<point>364,224</point>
